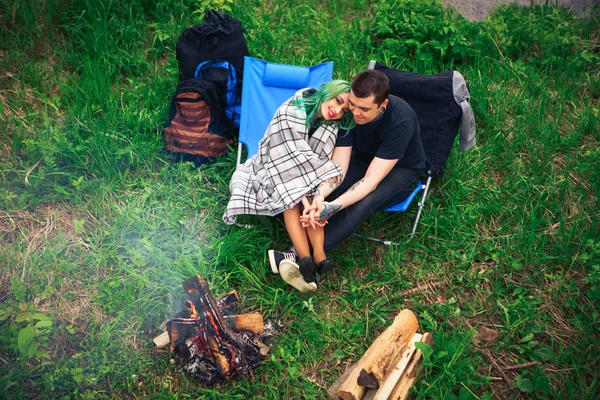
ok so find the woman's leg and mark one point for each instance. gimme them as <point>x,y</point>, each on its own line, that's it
<point>296,232</point>
<point>316,237</point>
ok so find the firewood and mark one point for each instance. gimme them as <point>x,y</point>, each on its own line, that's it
<point>332,391</point>
<point>226,304</point>
<point>396,373</point>
<point>402,389</point>
<point>252,322</point>
<point>230,353</point>
<point>382,355</point>
<point>162,340</point>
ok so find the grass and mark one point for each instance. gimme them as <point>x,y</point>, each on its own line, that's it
<point>98,228</point>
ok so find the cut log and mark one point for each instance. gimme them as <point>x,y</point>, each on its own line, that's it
<point>332,391</point>
<point>402,389</point>
<point>392,378</point>
<point>252,322</point>
<point>230,353</point>
<point>381,356</point>
<point>162,340</point>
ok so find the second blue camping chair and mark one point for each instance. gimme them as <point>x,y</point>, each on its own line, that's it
<point>267,86</point>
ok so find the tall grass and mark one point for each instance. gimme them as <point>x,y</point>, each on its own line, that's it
<point>98,228</point>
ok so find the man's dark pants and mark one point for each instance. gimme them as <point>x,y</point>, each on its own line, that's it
<point>394,188</point>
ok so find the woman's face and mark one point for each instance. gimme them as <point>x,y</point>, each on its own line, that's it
<point>335,108</point>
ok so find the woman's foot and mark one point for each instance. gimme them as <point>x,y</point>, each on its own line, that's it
<point>324,267</point>
<point>303,277</point>
<point>275,258</point>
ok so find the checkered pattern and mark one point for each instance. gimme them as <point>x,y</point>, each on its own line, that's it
<point>287,167</point>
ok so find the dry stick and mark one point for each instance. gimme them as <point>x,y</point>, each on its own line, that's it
<point>524,365</point>
<point>501,371</point>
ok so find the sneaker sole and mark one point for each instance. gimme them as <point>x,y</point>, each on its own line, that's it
<point>290,273</point>
<point>272,261</point>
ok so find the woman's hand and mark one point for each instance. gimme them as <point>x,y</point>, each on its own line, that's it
<point>319,215</point>
<point>308,215</point>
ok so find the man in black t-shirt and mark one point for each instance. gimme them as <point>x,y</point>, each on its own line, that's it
<point>382,158</point>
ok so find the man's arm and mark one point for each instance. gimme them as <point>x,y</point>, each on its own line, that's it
<point>341,156</point>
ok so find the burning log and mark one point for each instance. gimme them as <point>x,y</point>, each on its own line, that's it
<point>214,345</point>
<point>252,322</point>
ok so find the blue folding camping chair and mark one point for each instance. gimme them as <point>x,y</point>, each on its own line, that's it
<point>267,86</point>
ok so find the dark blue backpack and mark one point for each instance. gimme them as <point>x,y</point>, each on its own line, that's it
<point>223,76</point>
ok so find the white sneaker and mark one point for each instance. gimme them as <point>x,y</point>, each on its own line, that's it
<point>290,273</point>
<point>275,258</point>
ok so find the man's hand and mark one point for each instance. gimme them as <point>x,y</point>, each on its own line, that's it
<point>310,214</point>
<point>320,215</point>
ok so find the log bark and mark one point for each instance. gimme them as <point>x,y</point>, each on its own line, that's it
<point>406,382</point>
<point>392,378</point>
<point>381,356</point>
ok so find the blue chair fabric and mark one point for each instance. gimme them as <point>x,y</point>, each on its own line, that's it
<point>266,87</point>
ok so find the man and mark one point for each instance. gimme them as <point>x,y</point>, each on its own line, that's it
<point>382,158</point>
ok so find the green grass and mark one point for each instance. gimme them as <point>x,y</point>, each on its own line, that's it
<point>98,228</point>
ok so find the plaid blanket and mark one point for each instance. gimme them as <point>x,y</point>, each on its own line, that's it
<point>287,167</point>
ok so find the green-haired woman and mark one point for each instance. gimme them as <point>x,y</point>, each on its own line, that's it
<point>296,155</point>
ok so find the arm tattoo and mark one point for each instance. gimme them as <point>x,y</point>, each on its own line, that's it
<point>356,185</point>
<point>328,211</point>
<point>333,182</point>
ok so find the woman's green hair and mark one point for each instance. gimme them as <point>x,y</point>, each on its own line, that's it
<point>327,91</point>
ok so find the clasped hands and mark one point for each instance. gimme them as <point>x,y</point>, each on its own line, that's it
<point>312,213</point>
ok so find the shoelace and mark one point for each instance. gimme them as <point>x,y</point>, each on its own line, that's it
<point>290,256</point>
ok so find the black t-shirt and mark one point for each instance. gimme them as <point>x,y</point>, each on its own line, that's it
<point>395,135</point>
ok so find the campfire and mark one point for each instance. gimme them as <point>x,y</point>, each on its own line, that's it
<point>215,343</point>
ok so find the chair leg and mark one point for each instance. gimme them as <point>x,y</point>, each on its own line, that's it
<point>239,154</point>
<point>377,240</point>
<point>421,204</point>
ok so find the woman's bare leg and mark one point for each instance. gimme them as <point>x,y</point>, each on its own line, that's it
<point>297,233</point>
<point>317,239</point>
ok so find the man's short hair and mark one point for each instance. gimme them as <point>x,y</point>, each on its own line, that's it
<point>371,82</point>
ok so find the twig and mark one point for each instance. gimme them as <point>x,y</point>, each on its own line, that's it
<point>501,371</point>
<point>524,365</point>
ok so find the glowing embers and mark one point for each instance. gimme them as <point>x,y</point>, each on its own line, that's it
<point>215,344</point>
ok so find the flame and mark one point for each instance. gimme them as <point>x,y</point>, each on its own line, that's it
<point>193,312</point>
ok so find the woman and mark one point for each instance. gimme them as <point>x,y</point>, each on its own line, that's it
<point>293,159</point>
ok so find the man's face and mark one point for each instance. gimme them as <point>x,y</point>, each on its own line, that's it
<point>364,109</point>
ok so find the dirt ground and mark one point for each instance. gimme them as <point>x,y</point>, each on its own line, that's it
<point>477,10</point>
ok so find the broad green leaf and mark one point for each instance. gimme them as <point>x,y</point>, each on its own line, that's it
<point>32,350</point>
<point>22,317</point>
<point>43,324</point>
<point>543,384</point>
<point>425,349</point>
<point>24,339</point>
<point>523,384</point>
<point>41,317</point>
